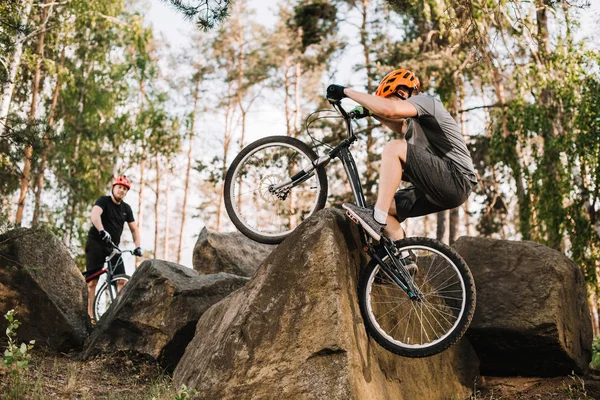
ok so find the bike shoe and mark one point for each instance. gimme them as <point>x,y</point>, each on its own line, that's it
<point>364,217</point>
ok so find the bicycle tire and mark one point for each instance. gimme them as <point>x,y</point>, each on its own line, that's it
<point>102,301</point>
<point>379,296</point>
<point>261,164</point>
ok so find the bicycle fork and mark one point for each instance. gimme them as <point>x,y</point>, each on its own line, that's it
<point>395,270</point>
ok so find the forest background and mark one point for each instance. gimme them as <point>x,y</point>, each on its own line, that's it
<point>91,91</point>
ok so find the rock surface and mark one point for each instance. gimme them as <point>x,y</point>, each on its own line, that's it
<point>532,317</point>
<point>229,252</point>
<point>39,279</point>
<point>157,311</point>
<point>295,332</point>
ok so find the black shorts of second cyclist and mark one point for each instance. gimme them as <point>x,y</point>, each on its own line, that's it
<point>437,185</point>
<point>95,254</point>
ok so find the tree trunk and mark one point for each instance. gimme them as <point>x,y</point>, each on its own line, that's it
<point>15,63</point>
<point>167,219</point>
<point>453,225</point>
<point>287,85</point>
<point>187,172</point>
<point>440,233</point>
<point>371,171</point>
<point>226,141</point>
<point>47,144</point>
<point>70,215</point>
<point>35,86</point>
<point>593,305</point>
<point>156,206</point>
<point>426,226</point>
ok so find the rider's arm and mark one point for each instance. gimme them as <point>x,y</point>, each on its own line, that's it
<point>387,108</point>
<point>96,219</point>
<point>396,125</point>
<point>135,233</point>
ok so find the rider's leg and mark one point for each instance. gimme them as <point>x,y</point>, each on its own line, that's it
<point>91,295</point>
<point>390,176</point>
<point>393,228</point>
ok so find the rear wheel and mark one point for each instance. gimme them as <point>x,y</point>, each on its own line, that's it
<point>105,297</point>
<point>255,206</point>
<point>432,321</point>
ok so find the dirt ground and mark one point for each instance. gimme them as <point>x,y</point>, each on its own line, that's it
<point>559,388</point>
<point>65,376</point>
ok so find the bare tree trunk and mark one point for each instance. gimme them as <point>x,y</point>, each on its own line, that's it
<point>167,219</point>
<point>593,305</point>
<point>69,217</point>
<point>287,85</point>
<point>371,171</point>
<point>453,225</point>
<point>157,205</point>
<point>35,86</point>
<point>226,142</point>
<point>426,226</point>
<point>47,144</point>
<point>142,183</point>
<point>441,226</point>
<point>187,172</point>
<point>15,63</point>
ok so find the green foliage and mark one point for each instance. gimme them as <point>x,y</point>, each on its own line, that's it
<point>15,360</point>
<point>185,393</point>
<point>595,364</point>
<point>15,357</point>
<point>207,13</point>
<point>316,19</point>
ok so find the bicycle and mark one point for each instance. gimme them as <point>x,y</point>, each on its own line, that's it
<point>410,312</point>
<point>106,294</point>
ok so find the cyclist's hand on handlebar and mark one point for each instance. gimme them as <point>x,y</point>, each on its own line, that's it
<point>360,112</point>
<point>105,236</point>
<point>335,92</point>
<point>137,252</point>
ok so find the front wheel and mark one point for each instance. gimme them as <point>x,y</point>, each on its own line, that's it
<point>257,203</point>
<point>105,295</point>
<point>434,319</point>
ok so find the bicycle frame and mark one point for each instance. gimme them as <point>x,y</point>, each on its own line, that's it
<point>386,247</point>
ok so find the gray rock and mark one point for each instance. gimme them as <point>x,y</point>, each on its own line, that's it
<point>228,252</point>
<point>157,311</point>
<point>295,332</point>
<point>532,317</point>
<point>39,279</point>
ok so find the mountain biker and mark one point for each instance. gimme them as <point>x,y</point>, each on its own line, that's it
<point>108,216</point>
<point>432,155</point>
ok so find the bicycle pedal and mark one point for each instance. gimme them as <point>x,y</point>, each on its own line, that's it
<point>352,217</point>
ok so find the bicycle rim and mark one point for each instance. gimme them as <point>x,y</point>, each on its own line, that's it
<point>103,298</point>
<point>435,319</point>
<point>264,214</point>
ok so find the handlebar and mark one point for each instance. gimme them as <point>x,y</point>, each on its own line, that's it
<point>115,247</point>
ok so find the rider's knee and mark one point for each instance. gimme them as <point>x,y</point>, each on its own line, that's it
<point>396,149</point>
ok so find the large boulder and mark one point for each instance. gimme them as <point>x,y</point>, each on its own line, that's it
<point>157,311</point>
<point>295,332</point>
<point>532,317</point>
<point>229,252</point>
<point>39,279</point>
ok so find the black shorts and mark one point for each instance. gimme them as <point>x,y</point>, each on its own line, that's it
<point>437,185</point>
<point>95,255</point>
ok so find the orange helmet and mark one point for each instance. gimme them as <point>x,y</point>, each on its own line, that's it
<point>122,180</point>
<point>400,77</point>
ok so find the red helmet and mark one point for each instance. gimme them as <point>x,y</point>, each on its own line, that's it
<point>400,77</point>
<point>122,180</point>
